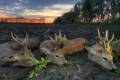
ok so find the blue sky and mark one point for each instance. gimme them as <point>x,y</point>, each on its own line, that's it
<point>35,8</point>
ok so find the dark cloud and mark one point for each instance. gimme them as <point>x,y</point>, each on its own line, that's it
<point>34,4</point>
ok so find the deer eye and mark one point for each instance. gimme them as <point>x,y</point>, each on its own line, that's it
<point>57,56</point>
<point>105,58</point>
<point>11,57</point>
<point>100,51</point>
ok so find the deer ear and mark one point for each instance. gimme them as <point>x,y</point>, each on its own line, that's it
<point>90,50</point>
<point>45,51</point>
<point>87,48</point>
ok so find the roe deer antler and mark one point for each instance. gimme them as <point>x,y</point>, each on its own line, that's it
<point>22,41</point>
<point>59,38</point>
<point>104,41</point>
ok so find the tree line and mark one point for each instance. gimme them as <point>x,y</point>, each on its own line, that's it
<point>92,11</point>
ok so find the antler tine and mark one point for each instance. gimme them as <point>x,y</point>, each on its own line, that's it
<point>99,35</point>
<point>108,44</point>
<point>14,38</point>
<point>106,35</point>
<point>112,38</point>
<point>60,35</point>
<point>25,42</point>
<point>51,38</point>
<point>14,35</point>
<point>64,36</point>
<point>26,37</point>
<point>56,37</point>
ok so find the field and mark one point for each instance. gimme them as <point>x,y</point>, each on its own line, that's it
<point>83,69</point>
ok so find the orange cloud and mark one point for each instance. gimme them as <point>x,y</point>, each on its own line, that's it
<point>3,14</point>
<point>48,13</point>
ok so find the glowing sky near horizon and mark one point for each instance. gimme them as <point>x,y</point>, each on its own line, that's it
<point>35,8</point>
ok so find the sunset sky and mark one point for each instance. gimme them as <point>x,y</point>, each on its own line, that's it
<point>35,8</point>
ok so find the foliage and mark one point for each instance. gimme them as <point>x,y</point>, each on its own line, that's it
<point>71,62</point>
<point>117,71</point>
<point>116,21</point>
<point>87,10</point>
<point>116,42</point>
<point>116,56</point>
<point>71,16</point>
<point>41,65</point>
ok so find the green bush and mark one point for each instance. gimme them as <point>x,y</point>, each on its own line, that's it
<point>116,56</point>
<point>117,21</point>
<point>117,71</point>
<point>41,65</point>
<point>116,42</point>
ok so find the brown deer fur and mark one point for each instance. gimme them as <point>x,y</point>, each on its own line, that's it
<point>73,46</point>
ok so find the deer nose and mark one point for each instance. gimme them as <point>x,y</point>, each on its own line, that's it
<point>114,68</point>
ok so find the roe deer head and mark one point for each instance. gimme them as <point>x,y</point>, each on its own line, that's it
<point>101,52</point>
<point>50,49</point>
<point>22,57</point>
